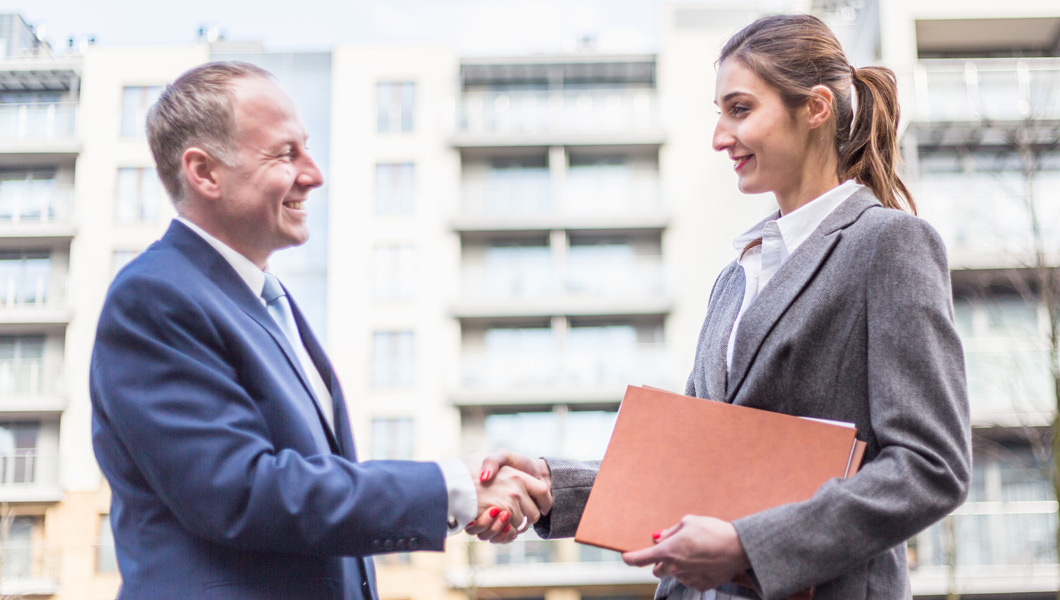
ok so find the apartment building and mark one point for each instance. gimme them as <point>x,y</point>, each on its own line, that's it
<point>503,244</point>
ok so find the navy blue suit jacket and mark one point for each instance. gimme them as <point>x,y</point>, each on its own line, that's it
<point>223,486</point>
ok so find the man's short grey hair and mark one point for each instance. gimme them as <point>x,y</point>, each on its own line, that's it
<point>196,110</point>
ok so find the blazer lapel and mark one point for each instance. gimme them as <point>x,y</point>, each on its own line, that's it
<point>714,368</point>
<point>772,301</point>
<point>221,274</point>
<point>342,435</point>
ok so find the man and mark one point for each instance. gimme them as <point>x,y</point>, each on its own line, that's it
<point>217,418</point>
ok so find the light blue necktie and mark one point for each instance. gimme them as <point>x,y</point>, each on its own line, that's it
<point>279,308</point>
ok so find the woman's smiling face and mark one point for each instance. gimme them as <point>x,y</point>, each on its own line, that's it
<point>766,140</point>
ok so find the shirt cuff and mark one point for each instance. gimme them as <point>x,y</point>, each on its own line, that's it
<point>463,499</point>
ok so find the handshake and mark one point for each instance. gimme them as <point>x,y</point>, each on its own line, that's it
<point>514,492</point>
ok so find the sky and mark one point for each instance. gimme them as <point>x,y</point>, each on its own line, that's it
<point>472,27</point>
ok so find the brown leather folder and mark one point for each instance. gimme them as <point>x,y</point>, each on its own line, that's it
<point>672,455</point>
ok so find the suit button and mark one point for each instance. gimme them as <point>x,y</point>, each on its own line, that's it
<point>414,543</point>
<point>388,545</point>
<point>376,546</point>
<point>402,544</point>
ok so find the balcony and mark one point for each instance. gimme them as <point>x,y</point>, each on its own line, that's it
<point>987,225</point>
<point>579,376</point>
<point>1008,381</point>
<point>631,200</point>
<point>630,287</point>
<point>39,128</point>
<point>978,101</point>
<point>28,570</point>
<point>30,386</point>
<point>32,300</point>
<point>564,117</point>
<point>38,210</point>
<point>26,475</point>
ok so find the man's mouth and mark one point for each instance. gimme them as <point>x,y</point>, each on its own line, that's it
<point>294,205</point>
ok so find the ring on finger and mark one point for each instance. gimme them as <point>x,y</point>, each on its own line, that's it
<point>524,525</point>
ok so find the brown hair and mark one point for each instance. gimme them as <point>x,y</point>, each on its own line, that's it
<point>195,110</point>
<point>794,53</point>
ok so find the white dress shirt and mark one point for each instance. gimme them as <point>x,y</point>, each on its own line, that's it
<point>781,235</point>
<point>463,499</point>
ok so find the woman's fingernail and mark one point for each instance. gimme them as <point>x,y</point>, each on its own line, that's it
<point>505,516</point>
<point>507,528</point>
<point>485,475</point>
<point>655,536</point>
<point>494,512</point>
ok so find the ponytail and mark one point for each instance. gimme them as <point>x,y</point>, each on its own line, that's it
<point>870,155</point>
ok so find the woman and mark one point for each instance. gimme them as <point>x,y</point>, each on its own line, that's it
<point>838,306</point>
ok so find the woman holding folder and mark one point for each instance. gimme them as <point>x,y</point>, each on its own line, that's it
<point>838,306</point>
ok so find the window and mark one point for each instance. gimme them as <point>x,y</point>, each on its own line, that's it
<point>135,100</point>
<point>1009,517</point>
<point>523,269</point>
<point>394,272</point>
<point>21,364</point>
<point>18,548</point>
<point>392,438</point>
<point>395,188</point>
<point>106,556</point>
<point>393,359</point>
<point>139,195</point>
<point>24,278</point>
<point>564,433</point>
<point>31,196</point>
<point>395,104</point>
<point>18,452</point>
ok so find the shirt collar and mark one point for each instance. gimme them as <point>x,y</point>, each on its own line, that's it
<point>244,267</point>
<point>796,226</point>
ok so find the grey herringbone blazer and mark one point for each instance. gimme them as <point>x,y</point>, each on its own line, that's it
<point>856,326</point>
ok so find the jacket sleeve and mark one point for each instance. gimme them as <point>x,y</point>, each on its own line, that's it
<point>173,426</point>
<point>572,481</point>
<point>919,410</point>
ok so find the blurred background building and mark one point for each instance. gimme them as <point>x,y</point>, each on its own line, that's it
<point>503,243</point>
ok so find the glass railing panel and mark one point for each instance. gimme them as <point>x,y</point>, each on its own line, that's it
<point>35,203</point>
<point>38,121</point>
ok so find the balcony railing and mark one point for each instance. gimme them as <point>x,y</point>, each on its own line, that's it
<point>987,89</point>
<point>981,218</point>
<point>45,121</point>
<point>21,292</point>
<point>35,204</point>
<point>28,378</point>
<point>566,368</point>
<point>28,570</point>
<point>615,111</point>
<point>641,277</point>
<point>638,191</point>
<point>26,468</point>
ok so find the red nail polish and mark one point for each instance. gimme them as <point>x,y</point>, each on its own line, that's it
<point>505,516</point>
<point>655,536</point>
<point>494,512</point>
<point>507,528</point>
<point>484,476</point>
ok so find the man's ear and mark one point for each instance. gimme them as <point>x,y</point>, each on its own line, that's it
<point>201,172</point>
<point>820,105</point>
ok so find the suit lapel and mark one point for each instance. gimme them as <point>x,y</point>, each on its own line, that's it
<point>714,370</point>
<point>221,274</point>
<point>790,279</point>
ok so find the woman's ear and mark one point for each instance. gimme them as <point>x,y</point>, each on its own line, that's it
<point>820,105</point>
<point>201,173</point>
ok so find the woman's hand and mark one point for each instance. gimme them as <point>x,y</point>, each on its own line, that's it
<point>701,552</point>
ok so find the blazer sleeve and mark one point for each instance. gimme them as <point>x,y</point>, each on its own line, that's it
<point>919,410</point>
<point>172,421</point>
<point>572,481</point>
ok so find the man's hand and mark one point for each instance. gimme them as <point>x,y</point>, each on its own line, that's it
<point>701,552</point>
<point>509,500</point>
<point>492,524</point>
